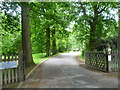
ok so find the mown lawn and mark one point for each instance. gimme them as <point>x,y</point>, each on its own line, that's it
<point>39,57</point>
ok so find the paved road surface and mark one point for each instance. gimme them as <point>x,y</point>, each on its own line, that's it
<point>63,71</point>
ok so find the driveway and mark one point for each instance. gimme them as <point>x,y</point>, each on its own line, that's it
<point>63,71</point>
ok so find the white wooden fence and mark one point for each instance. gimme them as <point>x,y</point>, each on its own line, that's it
<point>11,68</point>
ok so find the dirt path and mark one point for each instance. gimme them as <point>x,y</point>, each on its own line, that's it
<point>63,71</point>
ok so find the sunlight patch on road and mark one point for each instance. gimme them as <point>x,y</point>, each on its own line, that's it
<point>72,53</point>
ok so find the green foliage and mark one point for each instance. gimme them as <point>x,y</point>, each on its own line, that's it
<point>11,38</point>
<point>106,25</point>
<point>39,57</point>
<point>11,43</point>
<point>64,45</point>
<point>60,15</point>
<point>49,15</point>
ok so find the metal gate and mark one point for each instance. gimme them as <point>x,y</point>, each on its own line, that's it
<point>100,61</point>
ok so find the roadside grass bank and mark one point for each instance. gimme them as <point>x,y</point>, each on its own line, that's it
<point>81,56</point>
<point>39,57</point>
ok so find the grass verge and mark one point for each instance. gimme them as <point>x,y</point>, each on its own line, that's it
<point>81,56</point>
<point>39,57</point>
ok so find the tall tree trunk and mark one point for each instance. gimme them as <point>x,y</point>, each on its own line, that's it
<point>118,46</point>
<point>47,42</point>
<point>54,46</point>
<point>92,40</point>
<point>26,44</point>
<point>93,28</point>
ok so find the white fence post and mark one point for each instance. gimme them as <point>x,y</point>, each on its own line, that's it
<point>108,58</point>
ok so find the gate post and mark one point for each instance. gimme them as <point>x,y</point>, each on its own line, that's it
<point>108,58</point>
<point>21,73</point>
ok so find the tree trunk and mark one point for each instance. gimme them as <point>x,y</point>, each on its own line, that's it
<point>54,46</point>
<point>93,28</point>
<point>26,44</point>
<point>92,40</point>
<point>47,42</point>
<point>118,46</point>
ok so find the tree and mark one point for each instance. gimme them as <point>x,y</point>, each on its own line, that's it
<point>54,46</point>
<point>26,44</point>
<point>93,24</point>
<point>48,41</point>
<point>52,16</point>
<point>97,18</point>
<point>11,37</point>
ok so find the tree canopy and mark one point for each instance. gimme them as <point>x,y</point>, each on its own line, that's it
<point>60,26</point>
